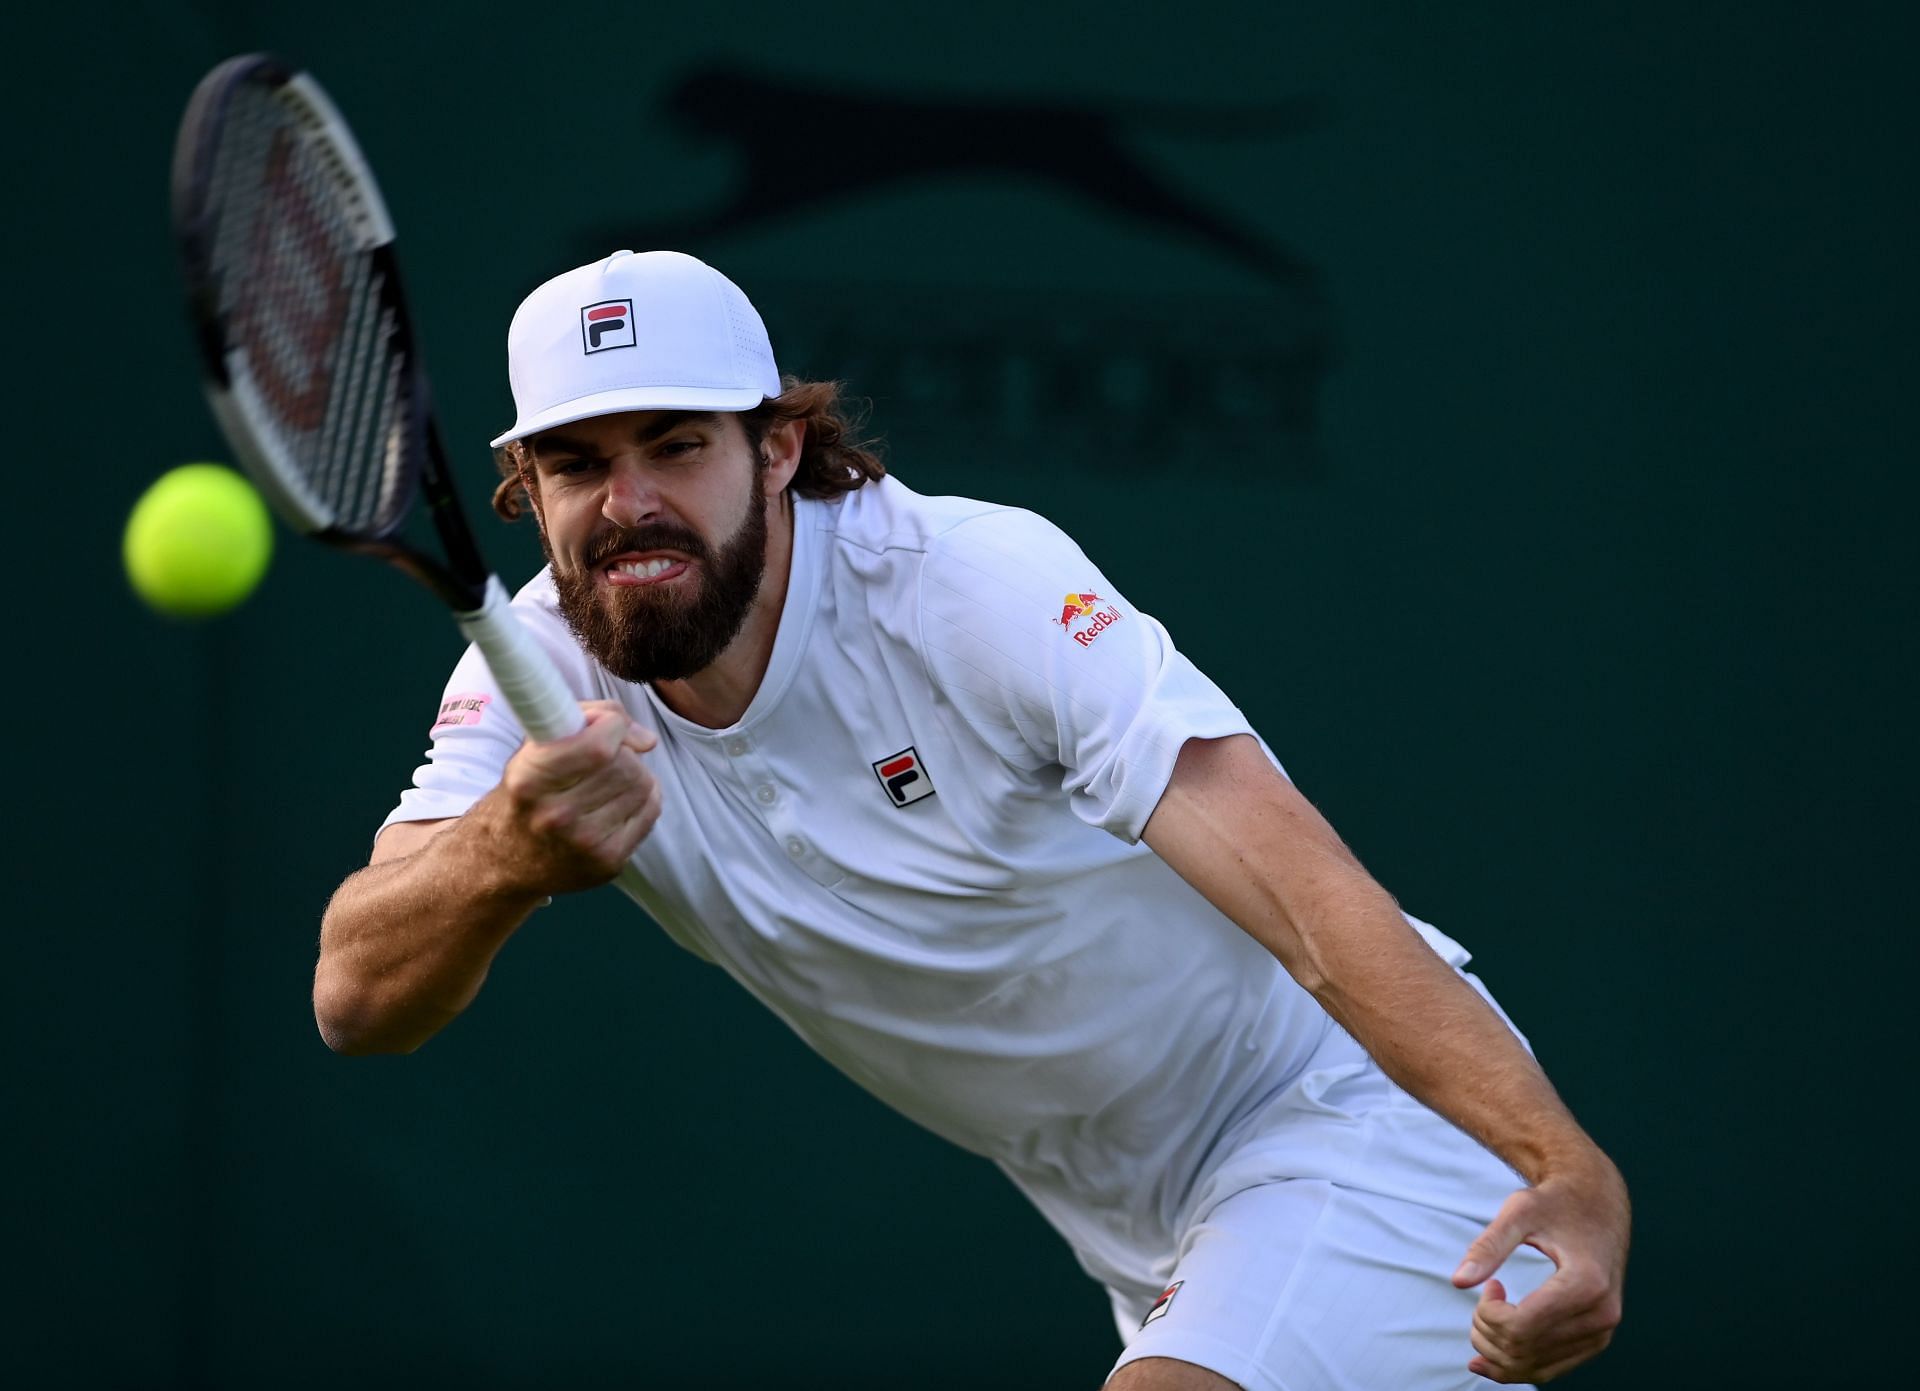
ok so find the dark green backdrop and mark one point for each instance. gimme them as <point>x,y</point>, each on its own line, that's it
<point>1512,407</point>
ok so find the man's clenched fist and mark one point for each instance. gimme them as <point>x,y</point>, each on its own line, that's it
<point>567,814</point>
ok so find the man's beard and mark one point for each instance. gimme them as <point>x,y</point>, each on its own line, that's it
<point>648,633</point>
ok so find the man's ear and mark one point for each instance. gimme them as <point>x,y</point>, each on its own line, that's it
<point>781,449</point>
<point>529,484</point>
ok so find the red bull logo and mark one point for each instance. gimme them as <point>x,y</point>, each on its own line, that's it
<point>1076,607</point>
<point>1102,621</point>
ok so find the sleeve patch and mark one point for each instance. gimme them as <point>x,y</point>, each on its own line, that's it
<point>1087,615</point>
<point>465,708</point>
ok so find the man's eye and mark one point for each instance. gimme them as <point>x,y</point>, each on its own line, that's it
<point>675,449</point>
<point>571,466</point>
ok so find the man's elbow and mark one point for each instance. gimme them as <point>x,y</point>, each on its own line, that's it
<point>349,1044</point>
<point>353,1031</point>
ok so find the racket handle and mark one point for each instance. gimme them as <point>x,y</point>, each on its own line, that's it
<point>531,683</point>
<point>527,677</point>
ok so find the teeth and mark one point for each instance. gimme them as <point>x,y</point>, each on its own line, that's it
<point>644,569</point>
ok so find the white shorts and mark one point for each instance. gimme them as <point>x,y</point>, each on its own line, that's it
<point>1308,1286</point>
<point>1341,1281</point>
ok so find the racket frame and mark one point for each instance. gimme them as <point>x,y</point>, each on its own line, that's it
<point>460,579</point>
<point>527,676</point>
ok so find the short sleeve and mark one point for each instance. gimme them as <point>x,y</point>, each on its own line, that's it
<point>474,731</point>
<point>1049,664</point>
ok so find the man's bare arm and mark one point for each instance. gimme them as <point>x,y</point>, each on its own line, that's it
<point>407,942</point>
<point>1242,835</point>
<point>1238,831</point>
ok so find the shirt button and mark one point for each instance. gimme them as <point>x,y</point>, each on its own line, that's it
<point>796,847</point>
<point>736,746</point>
<point>765,793</point>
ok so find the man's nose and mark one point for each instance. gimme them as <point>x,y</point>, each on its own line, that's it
<point>632,497</point>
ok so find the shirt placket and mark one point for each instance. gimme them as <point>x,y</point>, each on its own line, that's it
<point>777,807</point>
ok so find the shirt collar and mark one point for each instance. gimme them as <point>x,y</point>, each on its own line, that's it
<point>804,572</point>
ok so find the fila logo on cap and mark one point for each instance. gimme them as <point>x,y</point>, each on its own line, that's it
<point>903,776</point>
<point>608,324</point>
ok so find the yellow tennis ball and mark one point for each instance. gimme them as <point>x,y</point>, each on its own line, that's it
<point>198,541</point>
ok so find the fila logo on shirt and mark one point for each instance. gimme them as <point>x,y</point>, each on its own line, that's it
<point>608,324</point>
<point>1075,608</point>
<point>1163,1303</point>
<point>904,777</point>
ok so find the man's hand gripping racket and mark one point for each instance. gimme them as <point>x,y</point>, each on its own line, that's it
<point>309,357</point>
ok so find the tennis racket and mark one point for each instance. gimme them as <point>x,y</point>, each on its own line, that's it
<point>309,358</point>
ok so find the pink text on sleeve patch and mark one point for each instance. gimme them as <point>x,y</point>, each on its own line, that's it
<point>456,710</point>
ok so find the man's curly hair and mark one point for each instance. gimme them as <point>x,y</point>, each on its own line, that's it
<point>834,459</point>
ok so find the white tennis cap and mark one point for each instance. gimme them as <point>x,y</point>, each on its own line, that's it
<point>658,331</point>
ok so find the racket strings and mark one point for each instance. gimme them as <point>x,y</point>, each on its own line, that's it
<point>311,312</point>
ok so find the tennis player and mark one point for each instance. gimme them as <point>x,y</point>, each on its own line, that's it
<point>918,776</point>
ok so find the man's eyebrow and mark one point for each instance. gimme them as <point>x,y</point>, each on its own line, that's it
<point>549,443</point>
<point>558,444</point>
<point>671,421</point>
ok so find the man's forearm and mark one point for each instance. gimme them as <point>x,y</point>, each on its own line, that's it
<point>406,943</point>
<point>1243,836</point>
<point>1430,1031</point>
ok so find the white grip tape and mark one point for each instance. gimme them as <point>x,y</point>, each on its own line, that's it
<point>527,677</point>
<point>531,683</point>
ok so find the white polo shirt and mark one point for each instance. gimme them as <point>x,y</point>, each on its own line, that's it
<point>919,847</point>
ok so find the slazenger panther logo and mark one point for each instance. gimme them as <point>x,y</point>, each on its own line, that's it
<point>1075,607</point>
